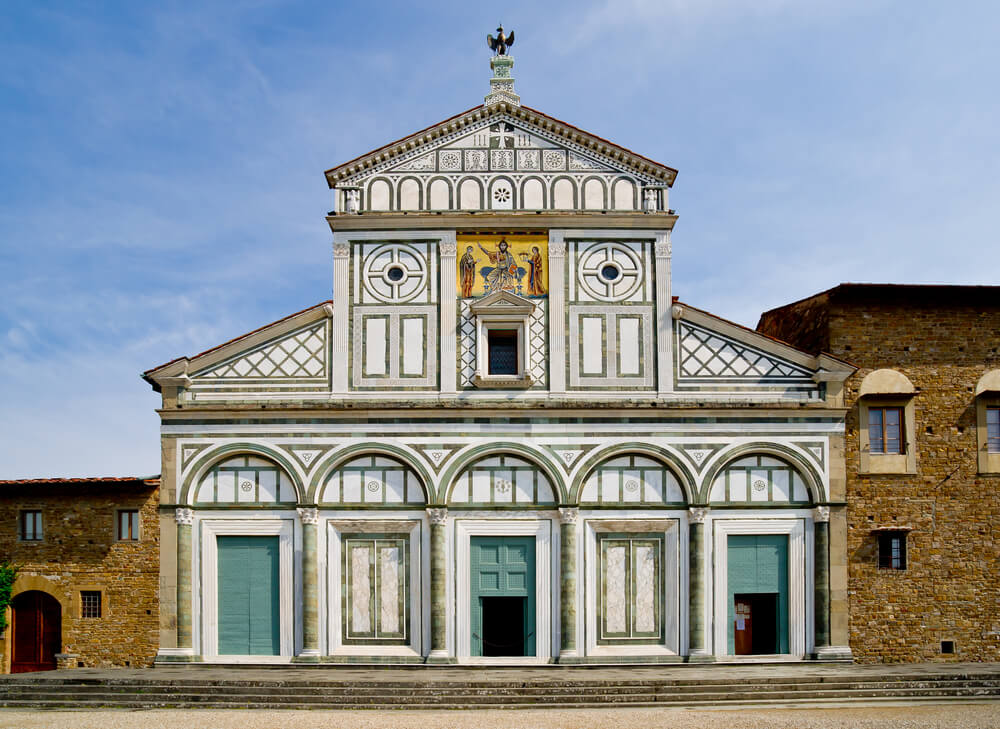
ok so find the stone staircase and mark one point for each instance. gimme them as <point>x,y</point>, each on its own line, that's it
<point>424,690</point>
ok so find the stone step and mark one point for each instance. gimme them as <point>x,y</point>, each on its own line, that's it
<point>134,700</point>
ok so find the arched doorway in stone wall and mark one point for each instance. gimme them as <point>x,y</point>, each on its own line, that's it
<point>37,631</point>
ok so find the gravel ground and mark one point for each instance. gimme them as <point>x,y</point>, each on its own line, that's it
<point>910,716</point>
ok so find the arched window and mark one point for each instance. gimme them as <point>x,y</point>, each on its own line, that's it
<point>372,481</point>
<point>632,479</point>
<point>759,479</point>
<point>502,479</point>
<point>246,479</point>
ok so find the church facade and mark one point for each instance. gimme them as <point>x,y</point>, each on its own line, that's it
<point>503,439</point>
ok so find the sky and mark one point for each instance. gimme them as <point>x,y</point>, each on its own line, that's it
<point>161,164</point>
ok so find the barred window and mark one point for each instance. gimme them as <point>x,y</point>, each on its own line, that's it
<point>31,526</point>
<point>90,604</point>
<point>892,550</point>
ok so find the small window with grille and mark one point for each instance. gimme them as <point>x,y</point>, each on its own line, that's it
<point>90,604</point>
<point>892,550</point>
<point>503,358</point>
<point>127,525</point>
<point>30,528</point>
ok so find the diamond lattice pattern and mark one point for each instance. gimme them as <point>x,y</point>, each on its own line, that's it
<point>300,354</point>
<point>704,354</point>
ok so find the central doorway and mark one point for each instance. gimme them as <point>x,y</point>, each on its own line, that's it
<point>502,596</point>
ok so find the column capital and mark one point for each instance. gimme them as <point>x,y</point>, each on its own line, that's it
<point>557,249</point>
<point>661,249</point>
<point>448,248</point>
<point>821,513</point>
<point>308,514</point>
<point>568,514</point>
<point>184,515</point>
<point>341,250</point>
<point>438,516</point>
<point>697,514</point>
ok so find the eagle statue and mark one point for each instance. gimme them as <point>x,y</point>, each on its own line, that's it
<point>501,43</point>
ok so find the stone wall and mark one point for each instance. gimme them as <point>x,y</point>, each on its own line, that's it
<point>79,552</point>
<point>943,340</point>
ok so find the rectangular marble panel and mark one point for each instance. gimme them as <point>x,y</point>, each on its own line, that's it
<point>593,345</point>
<point>413,346</point>
<point>632,486</point>
<point>352,486</point>
<point>390,571</point>
<point>524,484</point>
<point>756,479</point>
<point>737,486</point>
<point>799,488</point>
<point>615,589</point>
<point>376,343</point>
<point>628,346</point>
<point>481,487</point>
<point>268,483</point>
<point>646,582</point>
<point>654,486</point>
<point>779,485</point>
<point>394,486</point>
<point>371,487</point>
<point>227,487</point>
<point>610,482</point>
<point>242,479</point>
<point>361,618</point>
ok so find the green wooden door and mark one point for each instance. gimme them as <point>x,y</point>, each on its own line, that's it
<point>758,563</point>
<point>248,596</point>
<point>502,567</point>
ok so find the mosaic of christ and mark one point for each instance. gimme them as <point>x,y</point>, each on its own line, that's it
<point>495,263</point>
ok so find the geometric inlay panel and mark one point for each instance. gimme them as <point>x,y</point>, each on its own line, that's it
<point>706,354</point>
<point>300,354</point>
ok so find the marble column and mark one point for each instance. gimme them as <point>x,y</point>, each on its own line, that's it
<point>184,518</point>
<point>567,571</point>
<point>821,576</point>
<point>439,585</point>
<point>310,583</point>
<point>696,585</point>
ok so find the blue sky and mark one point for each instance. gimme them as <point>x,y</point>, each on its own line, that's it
<point>161,186</point>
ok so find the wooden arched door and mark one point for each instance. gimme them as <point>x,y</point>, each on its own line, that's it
<point>37,629</point>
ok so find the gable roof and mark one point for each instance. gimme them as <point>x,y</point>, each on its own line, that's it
<point>532,117</point>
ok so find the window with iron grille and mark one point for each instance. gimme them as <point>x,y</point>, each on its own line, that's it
<point>502,345</point>
<point>127,528</point>
<point>31,526</point>
<point>90,604</point>
<point>885,428</point>
<point>993,430</point>
<point>892,550</point>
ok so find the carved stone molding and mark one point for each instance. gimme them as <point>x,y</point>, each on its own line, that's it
<point>557,249</point>
<point>697,514</point>
<point>448,248</point>
<point>341,250</point>
<point>821,513</point>
<point>438,517</point>
<point>677,311</point>
<point>568,514</point>
<point>308,515</point>
<point>184,515</point>
<point>661,248</point>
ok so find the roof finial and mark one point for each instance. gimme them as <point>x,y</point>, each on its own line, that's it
<point>502,83</point>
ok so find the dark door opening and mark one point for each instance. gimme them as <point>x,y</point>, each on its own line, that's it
<point>756,623</point>
<point>503,626</point>
<point>37,628</point>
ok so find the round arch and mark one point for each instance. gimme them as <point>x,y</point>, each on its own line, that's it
<point>400,192</point>
<point>430,193</point>
<point>670,459</point>
<point>337,458</point>
<point>886,382</point>
<point>812,478</point>
<point>215,455</point>
<point>541,187</point>
<point>468,457</point>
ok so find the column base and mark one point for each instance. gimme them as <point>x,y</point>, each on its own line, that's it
<point>308,655</point>
<point>570,655</point>
<point>176,655</point>
<point>834,653</point>
<point>440,657</point>
<point>700,656</point>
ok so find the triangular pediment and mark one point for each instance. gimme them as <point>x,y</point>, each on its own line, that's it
<point>502,302</point>
<point>501,138</point>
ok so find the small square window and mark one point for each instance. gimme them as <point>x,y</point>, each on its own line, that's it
<point>31,526</point>
<point>503,359</point>
<point>90,604</point>
<point>885,429</point>
<point>993,429</point>
<point>892,550</point>
<point>127,527</point>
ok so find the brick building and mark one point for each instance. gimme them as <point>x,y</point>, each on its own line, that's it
<point>87,589</point>
<point>922,462</point>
